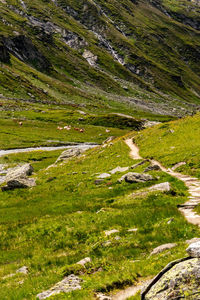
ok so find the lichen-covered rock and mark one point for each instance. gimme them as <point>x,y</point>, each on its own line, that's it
<point>180,282</point>
<point>136,177</point>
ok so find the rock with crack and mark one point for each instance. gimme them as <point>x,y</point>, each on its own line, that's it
<point>68,284</point>
<point>162,248</point>
<point>69,153</point>
<point>136,177</point>
<point>178,280</point>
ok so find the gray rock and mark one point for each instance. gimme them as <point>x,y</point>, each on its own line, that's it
<point>109,139</point>
<point>69,153</point>
<point>194,240</point>
<point>84,261</point>
<point>68,284</point>
<point>153,167</point>
<point>194,250</point>
<point>162,248</point>
<point>179,280</point>
<point>90,57</point>
<point>101,296</point>
<point>23,270</point>
<point>103,176</point>
<point>119,169</point>
<point>98,181</point>
<point>109,232</point>
<point>19,171</point>
<point>20,182</point>
<point>136,177</point>
<point>162,187</point>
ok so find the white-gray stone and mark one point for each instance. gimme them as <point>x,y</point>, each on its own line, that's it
<point>69,153</point>
<point>194,250</point>
<point>109,232</point>
<point>162,187</point>
<point>119,169</point>
<point>84,261</point>
<point>162,248</point>
<point>103,176</point>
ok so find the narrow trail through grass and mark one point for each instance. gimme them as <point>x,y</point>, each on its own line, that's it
<point>193,184</point>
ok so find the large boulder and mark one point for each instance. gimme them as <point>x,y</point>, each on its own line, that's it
<point>18,183</point>
<point>178,280</point>
<point>19,171</point>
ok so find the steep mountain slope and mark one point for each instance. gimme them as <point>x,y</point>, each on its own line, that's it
<point>141,52</point>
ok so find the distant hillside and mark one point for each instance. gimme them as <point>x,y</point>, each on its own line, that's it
<point>141,52</point>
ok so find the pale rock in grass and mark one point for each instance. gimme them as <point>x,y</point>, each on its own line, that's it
<point>20,182</point>
<point>194,250</point>
<point>119,169</point>
<point>103,176</point>
<point>109,139</point>
<point>161,187</point>
<point>192,241</point>
<point>23,270</point>
<point>69,153</point>
<point>101,296</point>
<point>132,230</point>
<point>162,248</point>
<point>84,261</point>
<point>176,166</point>
<point>19,171</point>
<point>68,284</point>
<point>90,57</point>
<point>109,232</point>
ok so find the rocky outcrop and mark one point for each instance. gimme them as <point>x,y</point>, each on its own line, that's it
<point>22,47</point>
<point>90,57</point>
<point>178,280</point>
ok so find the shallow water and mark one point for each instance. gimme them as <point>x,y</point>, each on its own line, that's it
<point>83,146</point>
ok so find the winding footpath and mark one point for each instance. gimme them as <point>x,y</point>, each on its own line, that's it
<point>187,209</point>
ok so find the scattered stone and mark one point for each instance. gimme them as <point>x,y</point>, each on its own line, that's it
<point>119,169</point>
<point>135,177</point>
<point>153,167</point>
<point>132,230</point>
<point>69,153</point>
<point>192,241</point>
<point>84,261</point>
<point>162,248</point>
<point>103,176</point>
<point>23,270</point>
<point>176,166</point>
<point>194,249</point>
<point>170,221</point>
<point>109,139</point>
<point>81,112</point>
<point>162,187</point>
<point>68,284</point>
<point>117,238</point>
<point>109,232</point>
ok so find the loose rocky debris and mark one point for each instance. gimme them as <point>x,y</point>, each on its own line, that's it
<point>84,261</point>
<point>178,165</point>
<point>178,280</point>
<point>69,153</point>
<point>162,248</point>
<point>68,284</point>
<point>135,177</point>
<point>109,232</point>
<point>18,178</point>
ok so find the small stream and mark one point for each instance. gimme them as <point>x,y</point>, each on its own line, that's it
<point>83,146</point>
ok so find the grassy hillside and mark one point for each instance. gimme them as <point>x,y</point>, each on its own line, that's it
<point>88,51</point>
<point>62,220</point>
